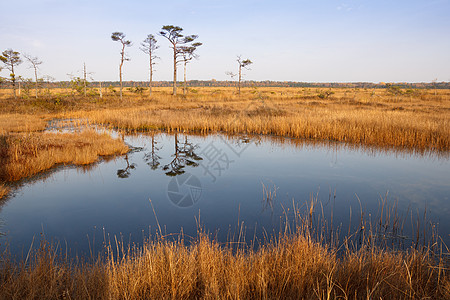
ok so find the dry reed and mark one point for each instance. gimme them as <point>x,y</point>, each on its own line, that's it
<point>3,191</point>
<point>24,155</point>
<point>409,119</point>
<point>292,266</point>
<point>420,123</point>
<point>20,123</point>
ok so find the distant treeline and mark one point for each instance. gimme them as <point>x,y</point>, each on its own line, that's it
<point>267,83</point>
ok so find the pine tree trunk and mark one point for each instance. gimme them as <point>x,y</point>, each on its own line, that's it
<point>120,69</point>
<point>13,77</point>
<point>151,77</point>
<point>84,79</point>
<point>239,83</point>
<point>184,89</point>
<point>120,77</point>
<point>174,71</point>
<point>36,86</point>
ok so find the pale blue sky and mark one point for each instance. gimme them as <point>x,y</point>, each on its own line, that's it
<point>313,41</point>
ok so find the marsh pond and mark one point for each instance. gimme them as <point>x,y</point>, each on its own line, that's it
<point>232,187</point>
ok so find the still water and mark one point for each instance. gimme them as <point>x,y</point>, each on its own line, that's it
<point>218,182</point>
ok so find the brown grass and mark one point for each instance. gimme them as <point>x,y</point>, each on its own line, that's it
<point>20,123</point>
<point>290,267</point>
<point>374,118</point>
<point>3,191</point>
<point>407,119</point>
<point>24,155</point>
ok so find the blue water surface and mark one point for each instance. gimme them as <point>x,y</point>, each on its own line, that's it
<point>218,182</point>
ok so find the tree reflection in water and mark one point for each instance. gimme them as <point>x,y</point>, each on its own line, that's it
<point>151,158</point>
<point>183,156</point>
<point>125,173</point>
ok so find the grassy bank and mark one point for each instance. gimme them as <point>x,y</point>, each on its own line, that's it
<point>24,155</point>
<point>289,267</point>
<point>370,128</point>
<point>408,119</point>
<point>3,191</point>
<point>15,123</point>
<point>25,150</point>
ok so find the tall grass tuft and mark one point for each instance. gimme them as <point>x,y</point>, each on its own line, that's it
<point>291,265</point>
<point>3,191</point>
<point>24,155</point>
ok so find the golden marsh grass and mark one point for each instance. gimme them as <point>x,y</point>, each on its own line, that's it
<point>20,123</point>
<point>290,267</point>
<point>374,118</point>
<point>24,155</point>
<point>3,191</point>
<point>410,119</point>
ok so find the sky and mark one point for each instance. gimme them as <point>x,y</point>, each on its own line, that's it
<point>287,40</point>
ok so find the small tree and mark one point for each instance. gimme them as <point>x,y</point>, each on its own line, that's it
<point>434,84</point>
<point>81,83</point>
<point>34,63</point>
<point>149,47</point>
<point>25,86</point>
<point>177,39</point>
<point>11,59</point>
<point>47,79</point>
<point>77,84</point>
<point>2,80</point>
<point>242,64</point>
<point>85,81</point>
<point>120,37</point>
<point>232,75</point>
<point>188,53</point>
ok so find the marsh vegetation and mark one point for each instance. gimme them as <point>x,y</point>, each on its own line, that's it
<point>289,266</point>
<point>297,262</point>
<point>416,119</point>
